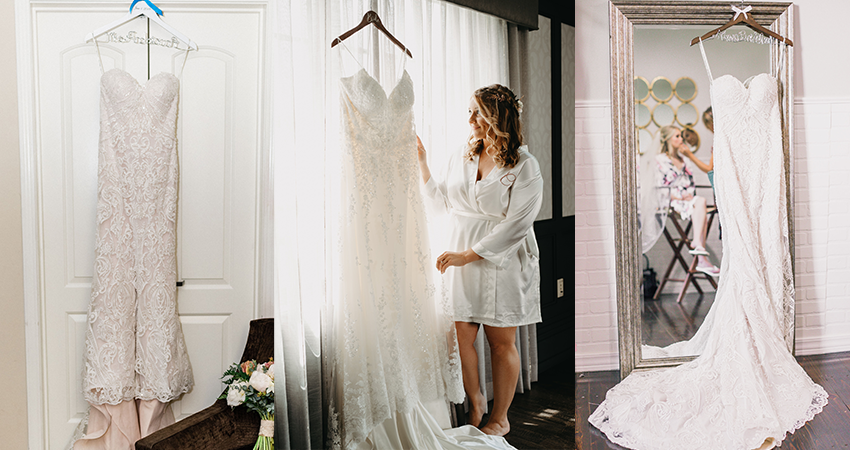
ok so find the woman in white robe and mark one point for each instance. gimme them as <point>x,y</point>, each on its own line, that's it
<point>493,192</point>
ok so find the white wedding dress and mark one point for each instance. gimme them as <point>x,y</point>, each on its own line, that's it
<point>136,361</point>
<point>396,365</point>
<point>746,385</point>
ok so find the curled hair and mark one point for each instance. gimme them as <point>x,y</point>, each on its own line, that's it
<point>500,108</point>
<point>708,117</point>
<point>665,133</point>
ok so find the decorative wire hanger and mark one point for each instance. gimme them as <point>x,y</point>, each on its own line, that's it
<point>151,12</point>
<point>371,17</point>
<point>741,17</point>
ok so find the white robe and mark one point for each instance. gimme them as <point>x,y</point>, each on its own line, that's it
<point>494,217</point>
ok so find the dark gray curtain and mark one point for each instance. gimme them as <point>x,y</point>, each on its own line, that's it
<point>518,12</point>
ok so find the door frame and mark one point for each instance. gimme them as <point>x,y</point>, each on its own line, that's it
<point>33,283</point>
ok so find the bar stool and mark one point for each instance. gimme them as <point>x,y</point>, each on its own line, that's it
<point>682,242</point>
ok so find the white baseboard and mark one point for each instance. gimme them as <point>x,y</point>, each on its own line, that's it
<point>822,345</point>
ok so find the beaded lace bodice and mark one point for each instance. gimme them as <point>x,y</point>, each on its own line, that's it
<point>395,344</point>
<point>134,342</point>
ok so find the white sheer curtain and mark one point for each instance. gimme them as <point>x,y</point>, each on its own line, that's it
<point>455,51</point>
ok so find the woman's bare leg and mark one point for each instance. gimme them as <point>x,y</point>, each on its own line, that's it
<point>466,334</point>
<point>505,363</point>
<point>698,217</point>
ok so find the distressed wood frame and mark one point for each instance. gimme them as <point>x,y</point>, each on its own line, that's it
<point>623,16</point>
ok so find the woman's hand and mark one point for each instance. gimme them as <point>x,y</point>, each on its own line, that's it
<point>421,150</point>
<point>686,151</point>
<point>457,259</point>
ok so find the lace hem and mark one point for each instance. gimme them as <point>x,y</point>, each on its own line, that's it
<point>109,396</point>
<point>600,420</point>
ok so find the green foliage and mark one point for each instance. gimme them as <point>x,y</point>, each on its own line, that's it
<point>259,402</point>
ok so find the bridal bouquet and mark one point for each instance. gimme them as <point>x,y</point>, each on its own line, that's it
<point>252,384</point>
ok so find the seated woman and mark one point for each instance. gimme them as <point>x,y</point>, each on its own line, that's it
<point>677,174</point>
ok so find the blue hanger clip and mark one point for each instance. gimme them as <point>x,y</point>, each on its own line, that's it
<point>152,6</point>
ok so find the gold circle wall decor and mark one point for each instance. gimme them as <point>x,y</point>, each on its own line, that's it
<point>687,115</point>
<point>641,89</point>
<point>661,89</point>
<point>685,89</point>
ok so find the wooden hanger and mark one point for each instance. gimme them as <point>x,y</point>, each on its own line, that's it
<point>371,17</point>
<point>149,11</point>
<point>741,16</point>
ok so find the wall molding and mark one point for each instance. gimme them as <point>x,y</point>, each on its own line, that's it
<point>821,101</point>
<point>597,363</point>
<point>822,345</point>
<point>33,315</point>
<point>593,104</point>
<point>797,101</point>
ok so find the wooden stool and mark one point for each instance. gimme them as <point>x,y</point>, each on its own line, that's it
<point>692,275</point>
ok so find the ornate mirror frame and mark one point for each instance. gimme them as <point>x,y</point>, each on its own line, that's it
<point>623,16</point>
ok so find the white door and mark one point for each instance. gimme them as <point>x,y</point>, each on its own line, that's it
<point>220,145</point>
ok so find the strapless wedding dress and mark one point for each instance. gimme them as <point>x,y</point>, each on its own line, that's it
<point>134,345</point>
<point>396,364</point>
<point>745,386</point>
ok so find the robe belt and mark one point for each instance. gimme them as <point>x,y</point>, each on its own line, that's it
<point>486,217</point>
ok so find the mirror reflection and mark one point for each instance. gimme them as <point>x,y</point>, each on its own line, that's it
<point>662,90</point>
<point>641,89</point>
<point>686,115</point>
<point>663,115</point>
<point>680,233</point>
<point>686,89</point>
<point>642,116</point>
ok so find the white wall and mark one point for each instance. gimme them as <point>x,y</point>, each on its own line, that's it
<point>13,408</point>
<point>822,177</point>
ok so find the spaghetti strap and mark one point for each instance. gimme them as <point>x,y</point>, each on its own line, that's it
<point>99,58</point>
<point>705,60</point>
<point>185,58</point>
<point>352,55</point>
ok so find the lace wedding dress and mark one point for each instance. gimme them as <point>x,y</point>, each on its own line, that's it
<point>395,365</point>
<point>135,355</point>
<point>746,385</point>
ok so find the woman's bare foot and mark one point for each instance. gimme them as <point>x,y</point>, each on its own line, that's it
<point>476,411</point>
<point>496,428</point>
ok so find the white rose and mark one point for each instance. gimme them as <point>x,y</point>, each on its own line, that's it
<point>260,381</point>
<point>235,395</point>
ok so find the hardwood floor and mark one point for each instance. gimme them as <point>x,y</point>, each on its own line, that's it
<point>828,430</point>
<point>543,418</point>
<point>664,321</point>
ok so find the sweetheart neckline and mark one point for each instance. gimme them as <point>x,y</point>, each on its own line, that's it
<point>404,75</point>
<point>138,83</point>
<point>745,84</point>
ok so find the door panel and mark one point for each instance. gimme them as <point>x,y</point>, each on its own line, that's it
<point>219,145</point>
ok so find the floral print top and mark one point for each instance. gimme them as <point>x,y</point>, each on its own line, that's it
<point>681,182</point>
